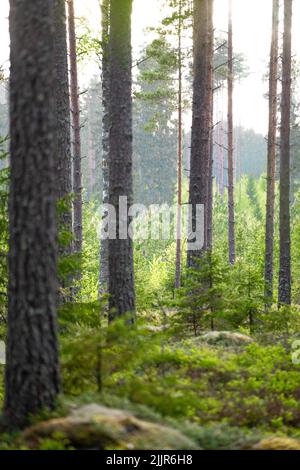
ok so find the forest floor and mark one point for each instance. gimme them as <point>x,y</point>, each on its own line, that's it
<point>218,390</point>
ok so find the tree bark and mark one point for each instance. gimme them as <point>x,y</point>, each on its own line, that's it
<point>32,372</point>
<point>210,104</point>
<point>121,276</point>
<point>77,174</point>
<point>62,109</point>
<point>200,145</point>
<point>104,268</point>
<point>271,172</point>
<point>63,132</point>
<point>179,170</point>
<point>284,291</point>
<point>231,215</point>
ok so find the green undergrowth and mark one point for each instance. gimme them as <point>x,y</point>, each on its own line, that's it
<point>221,397</point>
<point>255,386</point>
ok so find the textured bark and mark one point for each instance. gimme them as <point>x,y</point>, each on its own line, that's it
<point>270,205</point>
<point>62,109</point>
<point>121,277</point>
<point>210,103</point>
<point>77,174</point>
<point>200,146</point>
<point>179,170</point>
<point>284,291</point>
<point>32,371</point>
<point>231,215</point>
<point>105,9</point>
<point>63,131</point>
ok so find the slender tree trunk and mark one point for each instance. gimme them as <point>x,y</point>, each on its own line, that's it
<point>222,153</point>
<point>218,160</point>
<point>121,276</point>
<point>284,291</point>
<point>210,93</point>
<point>200,146</point>
<point>63,133</point>
<point>104,264</point>
<point>231,216</point>
<point>77,175</point>
<point>270,206</point>
<point>210,193</point>
<point>220,156</point>
<point>179,171</point>
<point>62,108</point>
<point>91,152</point>
<point>32,371</point>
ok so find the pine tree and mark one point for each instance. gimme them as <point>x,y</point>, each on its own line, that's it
<point>201,125</point>
<point>77,176</point>
<point>210,104</point>
<point>32,371</point>
<point>179,169</point>
<point>104,263</point>
<point>121,277</point>
<point>63,132</point>
<point>270,205</point>
<point>284,291</point>
<point>154,107</point>
<point>62,107</point>
<point>176,24</point>
<point>230,81</point>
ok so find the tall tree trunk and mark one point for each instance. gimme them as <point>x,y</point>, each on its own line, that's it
<point>62,109</point>
<point>270,205</point>
<point>179,171</point>
<point>220,157</point>
<point>210,104</point>
<point>121,276</point>
<point>210,101</point>
<point>91,152</point>
<point>105,9</point>
<point>200,146</point>
<point>284,291</point>
<point>63,129</point>
<point>32,371</point>
<point>77,175</point>
<point>231,216</point>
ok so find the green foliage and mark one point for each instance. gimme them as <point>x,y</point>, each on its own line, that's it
<point>159,270</point>
<point>220,436</point>
<point>89,282</point>
<point>164,62</point>
<point>162,369</point>
<point>295,248</point>
<point>200,302</point>
<point>88,45</point>
<point>81,314</point>
<point>240,68</point>
<point>57,442</point>
<point>68,263</point>
<point>154,125</point>
<point>255,387</point>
